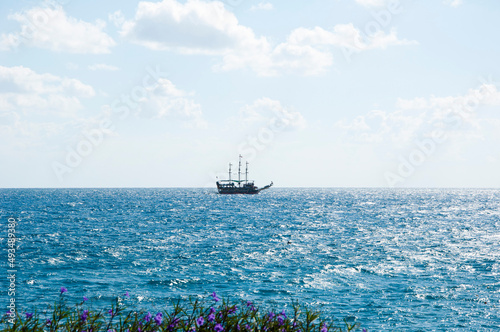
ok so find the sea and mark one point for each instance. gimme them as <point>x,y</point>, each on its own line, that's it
<point>389,259</point>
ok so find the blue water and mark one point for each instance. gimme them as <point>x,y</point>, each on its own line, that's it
<point>406,260</point>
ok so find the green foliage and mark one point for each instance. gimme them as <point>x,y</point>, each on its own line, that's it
<point>202,316</point>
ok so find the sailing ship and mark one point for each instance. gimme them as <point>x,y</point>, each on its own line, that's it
<point>239,186</point>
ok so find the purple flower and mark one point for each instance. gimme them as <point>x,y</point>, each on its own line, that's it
<point>63,290</point>
<point>283,313</point>
<point>28,315</point>
<point>85,299</point>
<point>280,321</point>
<point>249,303</point>
<point>110,311</point>
<point>324,328</point>
<point>365,330</point>
<point>233,309</point>
<point>48,321</point>
<point>173,325</point>
<point>215,298</point>
<point>271,315</point>
<point>238,327</point>
<point>200,321</point>
<point>211,317</point>
<point>85,315</point>
<point>158,318</point>
<point>127,295</point>
<point>212,310</point>
<point>247,327</point>
<point>148,317</point>
<point>218,328</point>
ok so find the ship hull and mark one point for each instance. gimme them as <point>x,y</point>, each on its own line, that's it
<point>237,192</point>
<point>234,190</point>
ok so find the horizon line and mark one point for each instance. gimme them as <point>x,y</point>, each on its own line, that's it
<point>275,187</point>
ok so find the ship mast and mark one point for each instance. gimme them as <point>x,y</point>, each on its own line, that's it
<point>246,173</point>
<point>230,171</point>
<point>239,172</point>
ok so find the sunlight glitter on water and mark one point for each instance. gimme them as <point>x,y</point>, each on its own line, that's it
<point>392,258</point>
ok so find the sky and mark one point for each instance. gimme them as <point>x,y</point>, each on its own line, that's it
<point>330,93</point>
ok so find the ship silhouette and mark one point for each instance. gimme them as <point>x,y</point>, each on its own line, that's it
<point>246,187</point>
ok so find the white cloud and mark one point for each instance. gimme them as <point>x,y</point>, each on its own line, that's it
<point>453,3</point>
<point>309,51</point>
<point>373,3</point>
<point>345,35</point>
<point>378,126</point>
<point>36,109</point>
<point>381,40</point>
<point>167,101</point>
<point>193,27</point>
<point>459,117</point>
<point>102,66</point>
<point>262,6</point>
<point>117,18</point>
<point>199,27</point>
<point>264,110</point>
<point>385,3</point>
<point>26,91</point>
<point>51,28</point>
